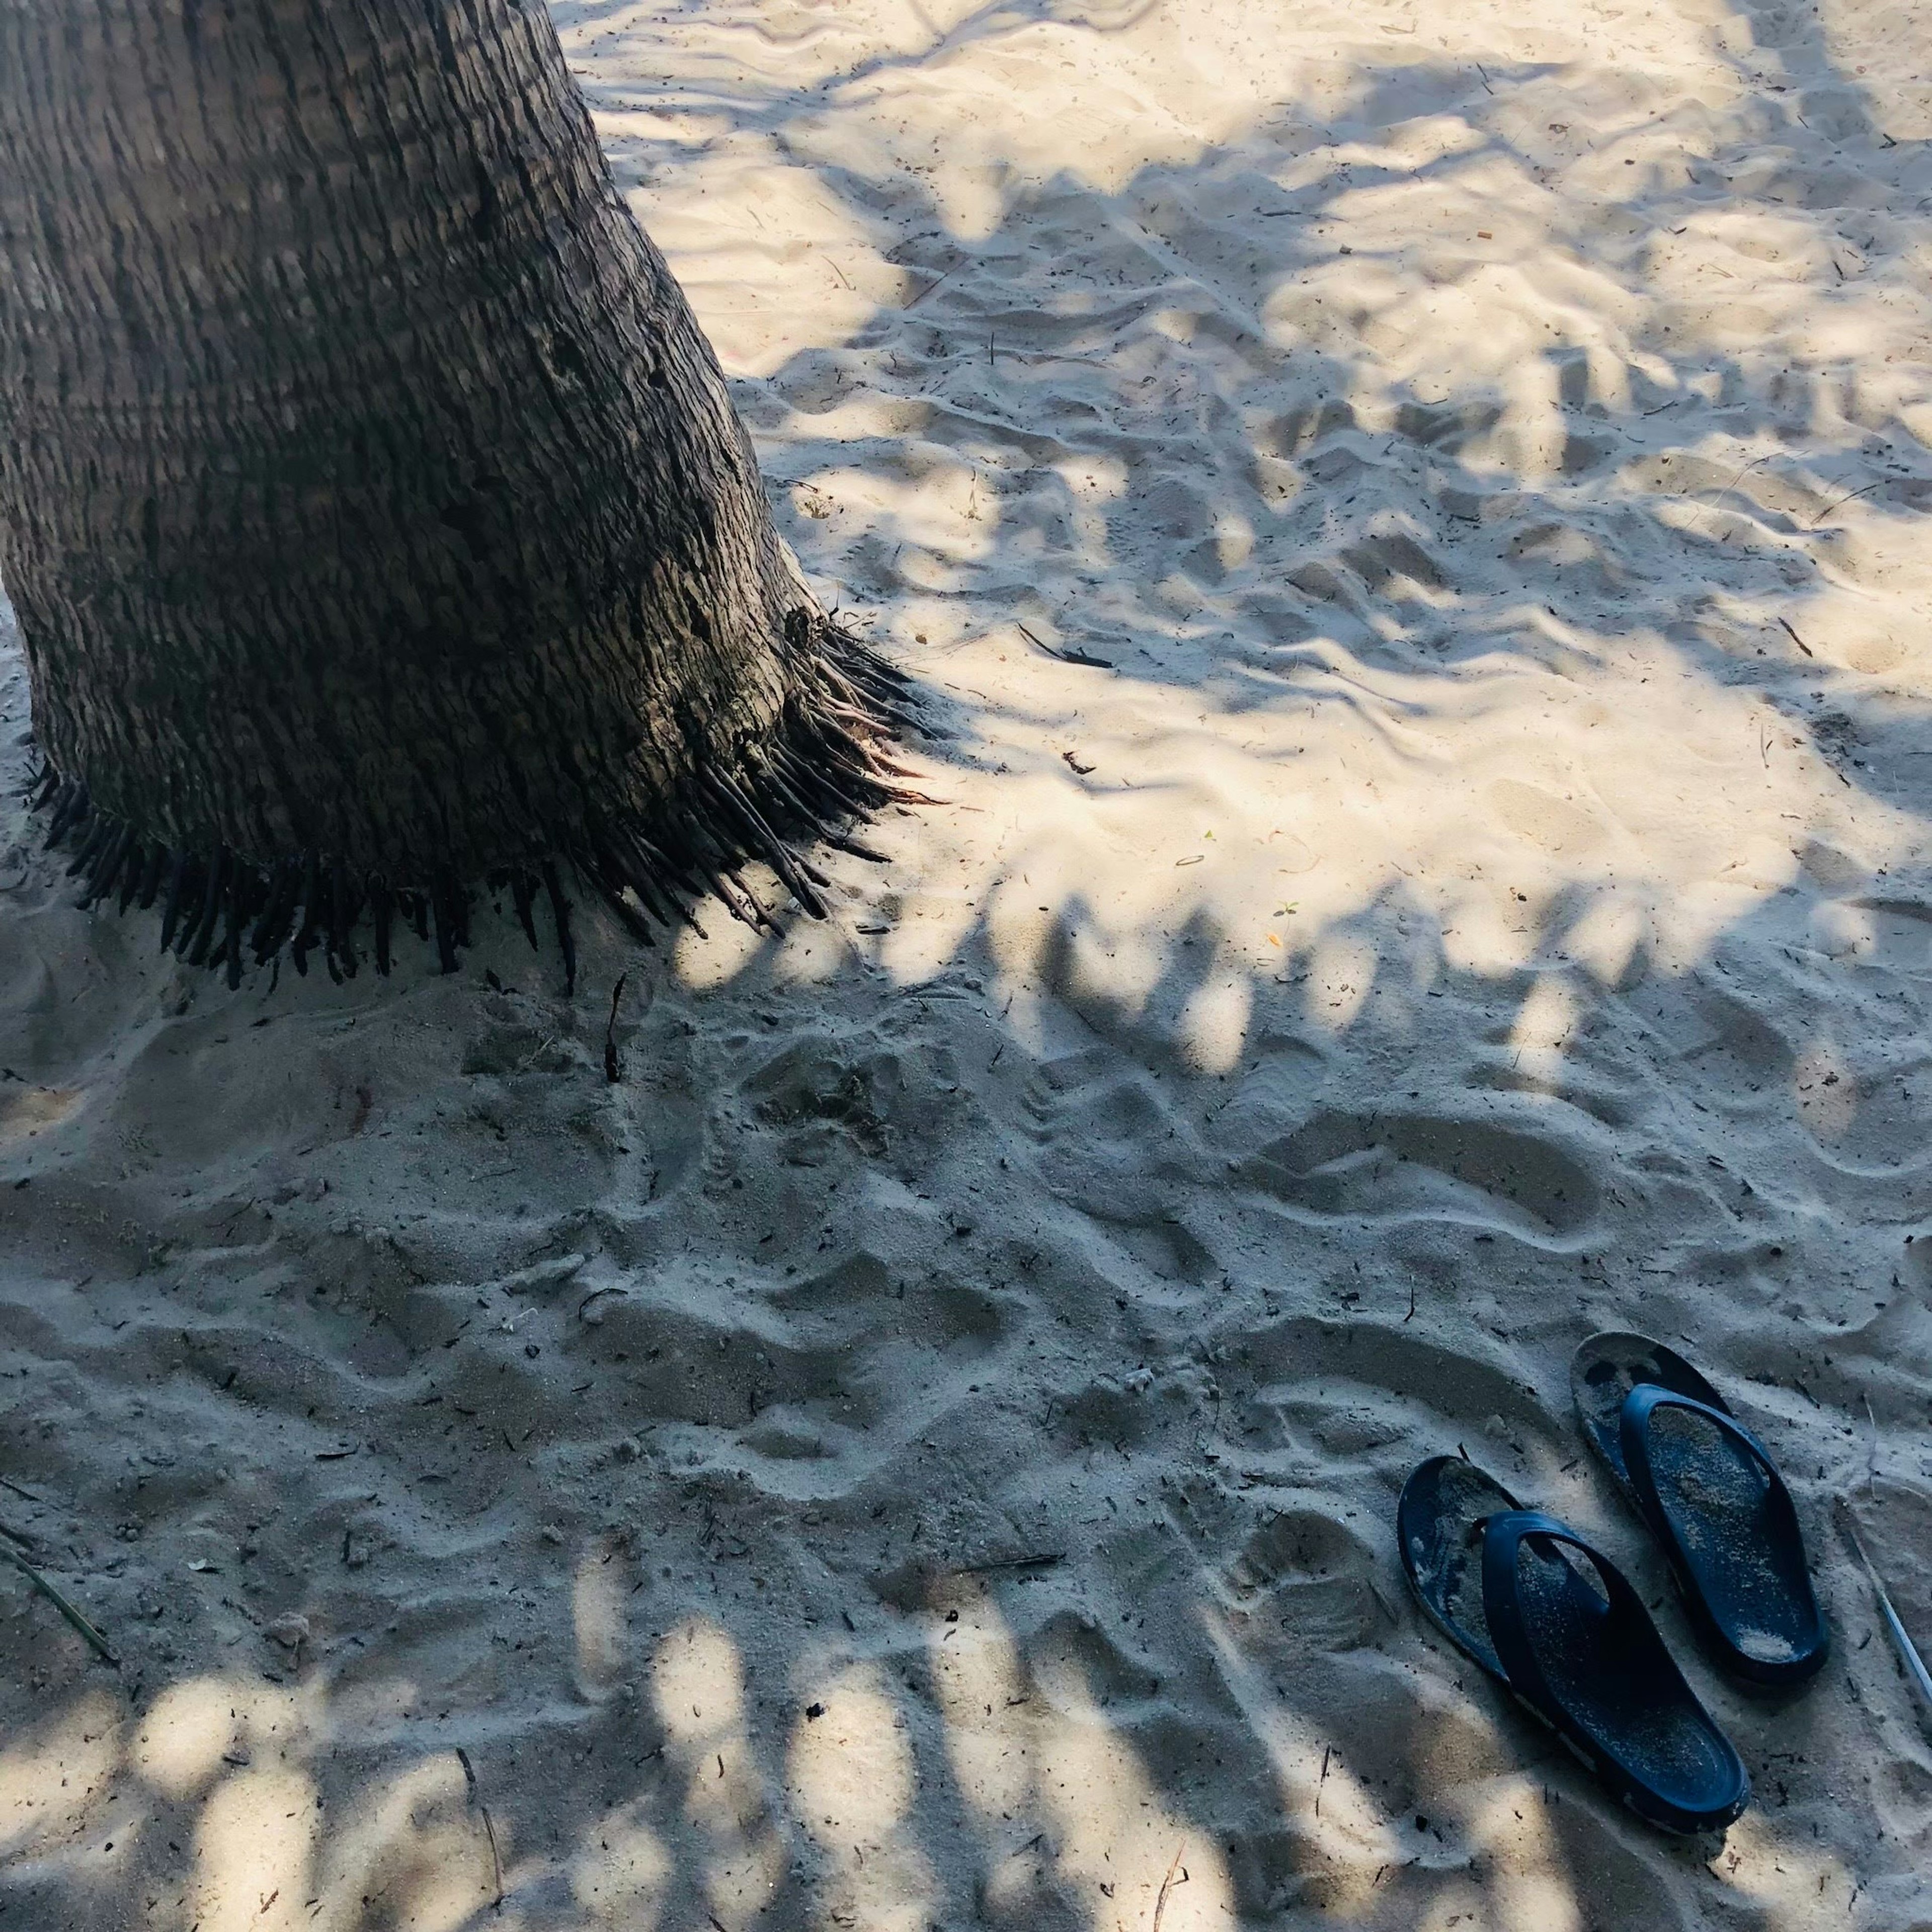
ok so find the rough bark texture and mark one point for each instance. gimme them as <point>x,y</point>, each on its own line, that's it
<point>375,514</point>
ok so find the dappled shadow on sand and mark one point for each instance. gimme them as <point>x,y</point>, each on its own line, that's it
<point>919,1450</point>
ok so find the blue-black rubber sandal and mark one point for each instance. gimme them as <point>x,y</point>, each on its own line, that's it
<point>1713,1499</point>
<point>1557,1625</point>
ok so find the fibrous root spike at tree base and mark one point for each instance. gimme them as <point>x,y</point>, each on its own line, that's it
<point>821,770</point>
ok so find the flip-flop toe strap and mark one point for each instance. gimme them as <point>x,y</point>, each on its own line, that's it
<point>1634,1437</point>
<point>1503,1537</point>
<point>1635,1781</point>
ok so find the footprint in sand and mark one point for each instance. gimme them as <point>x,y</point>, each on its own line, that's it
<point>1391,1166</point>
<point>1309,1576</point>
<point>1556,824</point>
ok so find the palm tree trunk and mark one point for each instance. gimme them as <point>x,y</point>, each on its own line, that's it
<point>375,514</point>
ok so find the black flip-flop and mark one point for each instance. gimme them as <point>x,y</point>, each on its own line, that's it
<point>1712,1497</point>
<point>1558,1626</point>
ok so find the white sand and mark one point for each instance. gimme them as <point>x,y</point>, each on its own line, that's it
<point>1462,915</point>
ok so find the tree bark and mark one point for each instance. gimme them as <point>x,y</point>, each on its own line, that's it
<point>375,514</point>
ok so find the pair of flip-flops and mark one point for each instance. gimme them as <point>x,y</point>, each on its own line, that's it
<point>1558,1625</point>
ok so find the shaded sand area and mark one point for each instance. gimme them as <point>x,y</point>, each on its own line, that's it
<point>1415,525</point>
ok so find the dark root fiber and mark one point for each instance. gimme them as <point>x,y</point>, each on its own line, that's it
<point>821,769</point>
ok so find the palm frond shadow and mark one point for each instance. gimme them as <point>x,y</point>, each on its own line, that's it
<point>828,1623</point>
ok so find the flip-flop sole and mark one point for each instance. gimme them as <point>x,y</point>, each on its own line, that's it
<point>1716,1504</point>
<point>1437,1523</point>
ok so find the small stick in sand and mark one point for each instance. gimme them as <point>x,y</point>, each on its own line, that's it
<point>95,1640</point>
<point>614,1067</point>
<point>594,1294</point>
<point>1167,1885</point>
<point>1849,494</point>
<point>1039,1560</point>
<point>1901,1641</point>
<point>1067,656</point>
<point>931,285</point>
<point>489,1829</point>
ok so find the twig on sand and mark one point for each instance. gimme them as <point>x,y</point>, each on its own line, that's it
<point>1067,656</point>
<point>489,1829</point>
<point>1795,638</point>
<point>1168,1884</point>
<point>614,1067</point>
<point>931,285</point>
<point>1849,496</point>
<point>1040,1560</point>
<point>543,1045</point>
<point>98,1642</point>
<point>26,1495</point>
<point>1738,478</point>
<point>610,1288</point>
<point>1327,1752</point>
<point>1901,1641</point>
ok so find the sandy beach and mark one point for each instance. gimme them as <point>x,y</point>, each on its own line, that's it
<point>1411,530</point>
